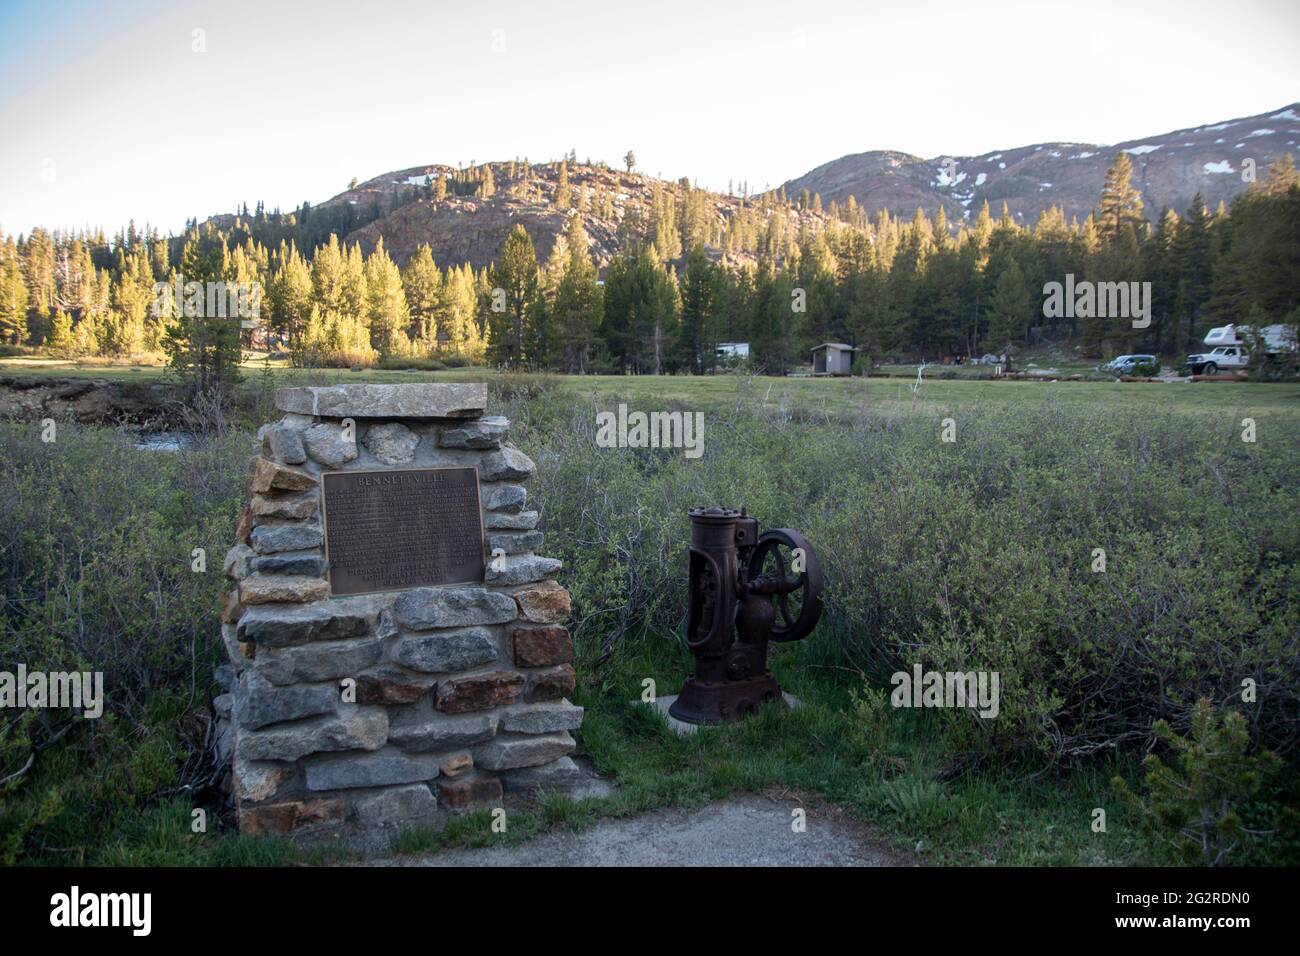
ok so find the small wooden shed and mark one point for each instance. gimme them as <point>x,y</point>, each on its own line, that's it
<point>833,358</point>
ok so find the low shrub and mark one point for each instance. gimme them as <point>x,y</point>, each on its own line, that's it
<point>979,554</point>
<point>97,555</point>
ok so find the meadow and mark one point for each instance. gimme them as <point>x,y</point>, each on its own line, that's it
<point>943,388</point>
<point>974,554</point>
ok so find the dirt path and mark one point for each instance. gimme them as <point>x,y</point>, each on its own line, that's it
<point>741,831</point>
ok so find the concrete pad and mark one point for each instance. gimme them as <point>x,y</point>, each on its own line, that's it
<point>682,728</point>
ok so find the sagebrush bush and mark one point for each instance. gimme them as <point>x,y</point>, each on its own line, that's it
<point>976,554</point>
<point>96,549</point>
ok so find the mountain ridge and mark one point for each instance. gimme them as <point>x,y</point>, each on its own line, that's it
<point>1169,169</point>
<point>469,224</point>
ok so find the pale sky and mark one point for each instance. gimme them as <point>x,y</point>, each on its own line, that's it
<point>108,113</point>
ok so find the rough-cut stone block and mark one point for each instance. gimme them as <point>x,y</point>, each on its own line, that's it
<point>541,646</point>
<point>505,521</point>
<point>232,646</point>
<point>415,400</point>
<point>259,780</point>
<point>412,804</point>
<point>244,526</point>
<point>543,603</point>
<point>281,589</point>
<point>509,498</point>
<point>237,562</point>
<point>520,569</point>
<point>457,695</point>
<point>232,609</point>
<point>426,608</point>
<point>354,728</point>
<point>520,543</point>
<point>551,684</point>
<point>445,651</point>
<point>224,741</point>
<point>332,620</point>
<point>508,753</point>
<point>392,443</point>
<point>430,731</point>
<point>329,444</point>
<point>258,702</point>
<point>293,507</point>
<point>223,705</point>
<point>284,445</point>
<point>279,818</point>
<point>269,475</point>
<point>322,661</point>
<point>542,718</point>
<point>465,792</point>
<point>379,768</point>
<point>508,464</point>
<point>392,687</point>
<point>393,806</point>
<point>558,773</point>
<point>296,422</point>
<point>308,563</point>
<point>486,432</point>
<point>273,538</point>
<point>455,765</point>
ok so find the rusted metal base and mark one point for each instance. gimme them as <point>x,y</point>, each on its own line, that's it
<point>723,702</point>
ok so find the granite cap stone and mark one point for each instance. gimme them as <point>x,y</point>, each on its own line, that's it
<point>409,400</point>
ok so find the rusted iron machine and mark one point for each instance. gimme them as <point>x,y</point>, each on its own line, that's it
<point>746,589</point>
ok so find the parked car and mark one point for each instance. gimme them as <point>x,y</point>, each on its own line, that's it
<point>1133,365</point>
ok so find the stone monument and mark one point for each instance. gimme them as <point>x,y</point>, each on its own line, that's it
<point>397,643</point>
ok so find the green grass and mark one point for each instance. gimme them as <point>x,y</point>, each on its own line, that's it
<point>716,392</point>
<point>995,816</point>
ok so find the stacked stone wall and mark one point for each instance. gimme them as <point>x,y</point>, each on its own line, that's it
<point>395,708</point>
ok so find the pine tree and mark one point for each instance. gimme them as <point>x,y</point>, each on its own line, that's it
<point>291,295</point>
<point>698,330</point>
<point>60,341</point>
<point>578,303</point>
<point>1009,310</point>
<point>327,277</point>
<point>1193,255</point>
<point>458,329</point>
<point>13,297</point>
<point>1121,203</point>
<point>353,297</point>
<point>562,195</point>
<point>516,276</point>
<point>423,285</point>
<point>386,304</point>
<point>640,310</point>
<point>202,348</point>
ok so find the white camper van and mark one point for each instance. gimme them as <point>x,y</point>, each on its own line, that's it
<point>1232,344</point>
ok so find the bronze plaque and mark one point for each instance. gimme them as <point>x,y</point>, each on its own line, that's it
<point>402,528</point>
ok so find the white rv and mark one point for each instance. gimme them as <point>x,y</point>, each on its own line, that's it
<point>1231,347</point>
